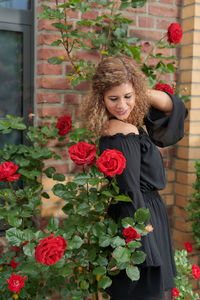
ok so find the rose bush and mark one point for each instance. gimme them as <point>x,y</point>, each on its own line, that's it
<point>74,258</point>
<point>186,271</point>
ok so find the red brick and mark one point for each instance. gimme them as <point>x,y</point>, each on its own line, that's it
<point>71,99</point>
<point>48,53</point>
<point>52,83</point>
<point>61,168</point>
<point>146,34</point>
<point>46,111</point>
<point>163,24</point>
<point>163,11</point>
<point>83,86</point>
<point>47,39</point>
<point>72,14</point>
<point>48,98</point>
<point>167,1</point>
<point>49,69</point>
<point>146,22</point>
<point>46,25</point>
<point>165,51</point>
<point>90,15</point>
<point>92,56</point>
<point>167,164</point>
<point>142,9</point>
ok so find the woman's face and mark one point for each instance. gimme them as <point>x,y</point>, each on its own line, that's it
<point>120,100</point>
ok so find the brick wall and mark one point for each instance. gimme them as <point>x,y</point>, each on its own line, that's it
<point>188,149</point>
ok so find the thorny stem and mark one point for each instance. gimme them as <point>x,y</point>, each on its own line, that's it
<point>109,26</point>
<point>65,43</point>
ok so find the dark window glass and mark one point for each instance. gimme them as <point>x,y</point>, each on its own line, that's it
<point>19,4</point>
<point>11,78</point>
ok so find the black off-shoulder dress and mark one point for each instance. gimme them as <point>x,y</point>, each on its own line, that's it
<point>143,176</point>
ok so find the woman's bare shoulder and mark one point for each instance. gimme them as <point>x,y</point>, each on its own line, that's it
<point>116,126</point>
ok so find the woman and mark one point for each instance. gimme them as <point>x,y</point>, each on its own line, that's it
<point>117,108</point>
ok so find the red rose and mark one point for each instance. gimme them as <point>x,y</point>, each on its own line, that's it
<point>174,33</point>
<point>83,153</point>
<point>111,162</point>
<point>175,292</point>
<point>50,250</point>
<point>195,271</point>
<point>7,170</point>
<point>188,247</point>
<point>13,264</point>
<point>64,125</point>
<point>164,87</point>
<point>130,234</point>
<point>16,282</point>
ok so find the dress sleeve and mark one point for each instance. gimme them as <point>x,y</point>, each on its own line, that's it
<point>165,130</point>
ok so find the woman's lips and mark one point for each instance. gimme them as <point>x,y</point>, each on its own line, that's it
<point>122,112</point>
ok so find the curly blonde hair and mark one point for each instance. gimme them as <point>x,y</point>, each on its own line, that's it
<point>110,72</point>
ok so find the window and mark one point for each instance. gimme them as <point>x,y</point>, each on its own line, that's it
<point>16,64</point>
<point>16,61</point>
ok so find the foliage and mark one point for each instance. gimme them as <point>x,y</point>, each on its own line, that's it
<point>182,280</point>
<point>96,247</point>
<point>194,206</point>
<point>107,35</point>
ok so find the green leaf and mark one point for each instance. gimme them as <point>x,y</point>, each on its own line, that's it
<point>65,271</point>
<point>14,221</point>
<point>104,240</point>
<point>122,198</point>
<point>75,243</point>
<point>14,237</point>
<point>126,222</point>
<point>104,282</point>
<point>28,235</point>
<point>99,271</point>
<point>122,254</point>
<point>82,178</point>
<point>29,249</point>
<point>138,257</point>
<point>117,241</point>
<point>49,172</point>
<point>65,293</point>
<point>59,177</point>
<point>83,208</point>
<point>133,245</point>
<point>138,3</point>
<point>53,224</point>
<point>84,285</point>
<point>124,5</point>
<point>142,215</point>
<point>45,195</point>
<point>133,273</point>
<point>99,229</point>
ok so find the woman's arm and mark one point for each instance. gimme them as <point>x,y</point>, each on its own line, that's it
<point>160,100</point>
